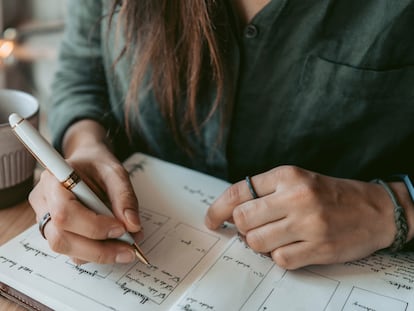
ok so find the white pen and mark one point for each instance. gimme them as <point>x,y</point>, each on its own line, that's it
<point>50,159</point>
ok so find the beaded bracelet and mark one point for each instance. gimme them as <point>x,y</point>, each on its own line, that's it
<point>400,218</point>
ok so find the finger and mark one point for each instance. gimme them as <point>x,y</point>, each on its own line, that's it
<point>273,235</point>
<point>222,208</point>
<point>68,214</point>
<point>74,217</point>
<point>256,213</point>
<point>138,236</point>
<point>78,261</point>
<point>123,199</point>
<point>37,198</point>
<point>87,250</point>
<point>297,255</point>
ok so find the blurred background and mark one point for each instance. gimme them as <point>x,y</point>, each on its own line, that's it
<point>30,35</point>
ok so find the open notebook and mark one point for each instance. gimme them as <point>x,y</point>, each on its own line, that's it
<point>194,268</point>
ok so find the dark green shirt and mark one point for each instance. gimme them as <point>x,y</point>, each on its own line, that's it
<point>327,85</point>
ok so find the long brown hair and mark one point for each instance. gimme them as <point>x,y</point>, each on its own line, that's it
<point>180,42</point>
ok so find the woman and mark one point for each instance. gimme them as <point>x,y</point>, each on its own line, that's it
<point>313,99</point>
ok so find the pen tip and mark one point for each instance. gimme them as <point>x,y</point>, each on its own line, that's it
<point>140,255</point>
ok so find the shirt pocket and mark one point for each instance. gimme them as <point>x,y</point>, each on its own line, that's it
<point>334,97</point>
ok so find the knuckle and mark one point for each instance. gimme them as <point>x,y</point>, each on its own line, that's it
<point>105,253</point>
<point>60,218</point>
<point>232,193</point>
<point>256,241</point>
<point>58,244</point>
<point>291,171</point>
<point>305,192</point>
<point>241,217</point>
<point>95,232</point>
<point>281,259</point>
<point>101,258</point>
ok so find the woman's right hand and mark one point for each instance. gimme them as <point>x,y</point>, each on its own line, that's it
<point>75,230</point>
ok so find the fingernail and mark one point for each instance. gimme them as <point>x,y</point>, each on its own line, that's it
<point>116,232</point>
<point>132,217</point>
<point>125,256</point>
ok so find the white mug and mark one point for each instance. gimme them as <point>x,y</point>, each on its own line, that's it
<point>17,165</point>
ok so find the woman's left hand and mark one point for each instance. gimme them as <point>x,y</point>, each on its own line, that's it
<point>303,218</point>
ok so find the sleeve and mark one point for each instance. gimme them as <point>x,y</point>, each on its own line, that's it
<point>79,89</point>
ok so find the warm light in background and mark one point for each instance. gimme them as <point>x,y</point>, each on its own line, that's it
<point>6,48</point>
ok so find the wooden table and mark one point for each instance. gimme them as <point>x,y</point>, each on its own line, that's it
<point>14,220</point>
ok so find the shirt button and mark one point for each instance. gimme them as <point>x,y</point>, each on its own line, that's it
<point>251,31</point>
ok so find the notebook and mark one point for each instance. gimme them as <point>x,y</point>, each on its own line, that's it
<point>192,267</point>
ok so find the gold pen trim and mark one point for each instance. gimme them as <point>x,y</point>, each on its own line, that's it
<point>72,180</point>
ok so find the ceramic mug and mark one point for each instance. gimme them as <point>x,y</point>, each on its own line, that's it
<point>17,165</point>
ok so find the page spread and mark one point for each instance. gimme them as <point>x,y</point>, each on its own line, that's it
<point>193,268</point>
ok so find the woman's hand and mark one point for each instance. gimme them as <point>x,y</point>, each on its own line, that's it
<point>75,230</point>
<point>304,218</point>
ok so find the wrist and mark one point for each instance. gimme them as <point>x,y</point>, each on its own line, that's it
<point>84,134</point>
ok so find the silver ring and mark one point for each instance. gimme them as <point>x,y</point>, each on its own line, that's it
<point>43,222</point>
<point>251,188</point>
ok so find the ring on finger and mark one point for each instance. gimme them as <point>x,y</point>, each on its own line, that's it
<point>43,222</point>
<point>251,188</point>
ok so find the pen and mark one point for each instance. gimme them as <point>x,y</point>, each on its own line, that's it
<point>51,160</point>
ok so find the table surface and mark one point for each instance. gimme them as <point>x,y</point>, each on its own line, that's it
<point>14,220</point>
